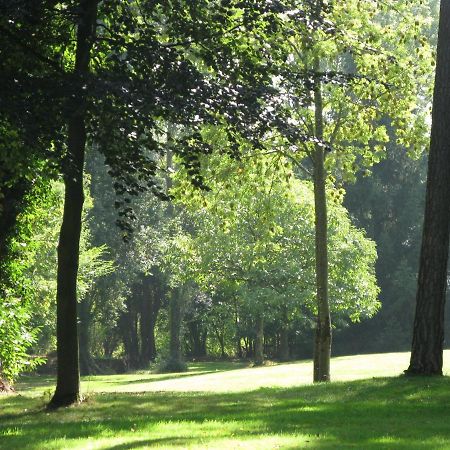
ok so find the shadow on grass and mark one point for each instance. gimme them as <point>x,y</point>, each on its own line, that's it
<point>150,379</point>
<point>195,370</point>
<point>145,443</point>
<point>38,382</point>
<point>394,413</point>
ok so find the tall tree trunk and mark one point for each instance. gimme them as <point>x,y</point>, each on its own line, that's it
<point>259,341</point>
<point>68,376</point>
<point>322,346</point>
<point>150,305</point>
<point>428,332</point>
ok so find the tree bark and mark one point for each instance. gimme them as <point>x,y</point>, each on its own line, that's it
<point>428,331</point>
<point>150,305</point>
<point>68,376</point>
<point>322,346</point>
<point>259,341</point>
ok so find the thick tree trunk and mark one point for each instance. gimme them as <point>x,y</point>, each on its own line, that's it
<point>322,347</point>
<point>150,305</point>
<point>68,383</point>
<point>259,341</point>
<point>68,377</point>
<point>428,332</point>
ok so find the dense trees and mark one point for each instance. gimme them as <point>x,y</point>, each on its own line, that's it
<point>118,82</point>
<point>389,206</point>
<point>247,118</point>
<point>361,69</point>
<point>255,235</point>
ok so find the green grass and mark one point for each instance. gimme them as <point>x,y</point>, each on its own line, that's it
<point>226,405</point>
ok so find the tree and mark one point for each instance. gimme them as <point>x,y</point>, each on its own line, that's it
<point>428,331</point>
<point>26,156</point>
<point>254,237</point>
<point>358,57</point>
<point>68,381</point>
<point>17,293</point>
<point>389,205</point>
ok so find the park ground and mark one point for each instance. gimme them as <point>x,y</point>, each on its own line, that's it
<point>230,405</point>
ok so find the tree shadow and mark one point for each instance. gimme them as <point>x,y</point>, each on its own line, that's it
<point>397,413</point>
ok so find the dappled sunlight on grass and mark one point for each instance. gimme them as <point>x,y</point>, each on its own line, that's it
<point>371,413</point>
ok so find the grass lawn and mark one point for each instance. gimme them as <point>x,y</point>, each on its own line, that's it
<point>229,405</point>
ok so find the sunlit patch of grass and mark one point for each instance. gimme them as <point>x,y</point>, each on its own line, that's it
<point>234,377</point>
<point>371,413</point>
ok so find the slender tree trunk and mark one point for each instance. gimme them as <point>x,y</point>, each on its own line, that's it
<point>322,346</point>
<point>259,341</point>
<point>428,331</point>
<point>68,376</point>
